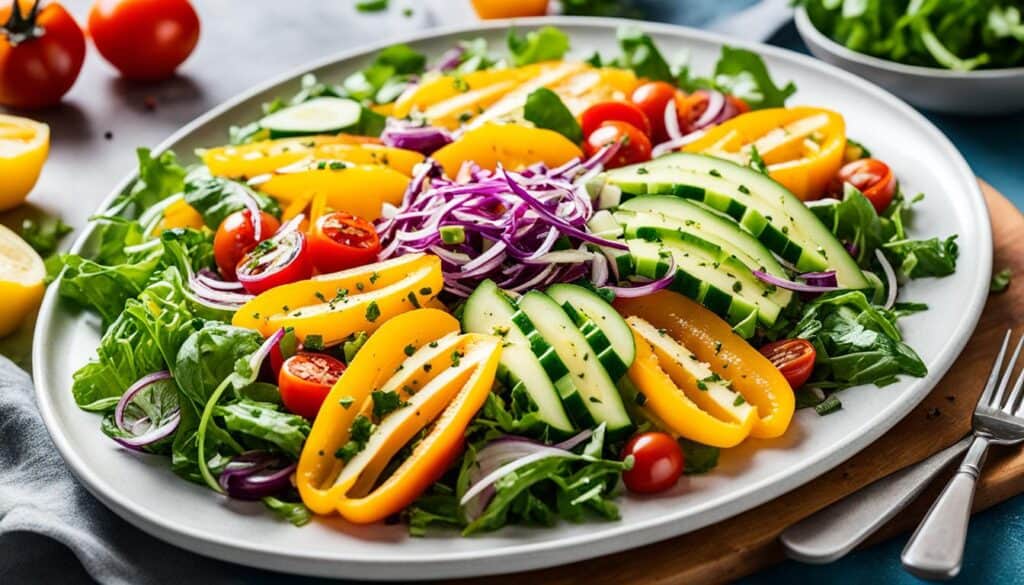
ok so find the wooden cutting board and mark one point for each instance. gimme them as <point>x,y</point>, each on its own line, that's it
<point>747,543</point>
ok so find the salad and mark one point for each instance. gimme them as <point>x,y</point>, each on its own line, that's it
<point>494,289</point>
<point>961,35</point>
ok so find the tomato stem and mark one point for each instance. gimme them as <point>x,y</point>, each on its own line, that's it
<point>20,28</point>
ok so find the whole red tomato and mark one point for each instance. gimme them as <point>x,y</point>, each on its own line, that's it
<point>144,39</point>
<point>658,463</point>
<point>41,53</point>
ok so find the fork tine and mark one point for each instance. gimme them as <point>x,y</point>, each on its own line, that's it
<point>986,396</point>
<point>1016,395</point>
<point>1004,381</point>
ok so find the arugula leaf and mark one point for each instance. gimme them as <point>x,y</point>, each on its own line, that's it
<point>384,79</point>
<point>208,356</point>
<point>265,421</point>
<point>159,178</point>
<point>44,237</point>
<point>105,289</point>
<point>856,342</point>
<point>698,458</point>
<point>294,512</point>
<point>545,110</point>
<point>921,258</point>
<point>743,74</point>
<point>544,44</point>
<point>640,54</point>
<point>215,198</point>
<point>140,341</point>
<point>1000,281</point>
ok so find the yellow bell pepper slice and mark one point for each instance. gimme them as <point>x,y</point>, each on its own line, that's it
<point>375,363</point>
<point>803,147</point>
<point>397,159</point>
<point>512,145</point>
<point>360,190</point>
<point>440,390</point>
<point>337,305</point>
<point>666,398</point>
<point>179,215</point>
<point>712,341</point>
<point>245,161</point>
<point>21,280</point>
<point>24,145</point>
<point>441,95</point>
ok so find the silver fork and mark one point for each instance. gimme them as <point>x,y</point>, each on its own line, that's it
<point>936,549</point>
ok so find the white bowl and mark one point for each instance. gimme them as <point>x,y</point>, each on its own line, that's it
<point>985,92</point>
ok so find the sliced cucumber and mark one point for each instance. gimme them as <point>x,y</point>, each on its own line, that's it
<point>707,275</point>
<point>489,311</point>
<point>583,304</point>
<point>595,386</point>
<point>603,224</point>
<point>762,206</point>
<point>324,115</point>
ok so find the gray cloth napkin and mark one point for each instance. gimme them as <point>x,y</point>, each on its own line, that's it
<point>52,530</point>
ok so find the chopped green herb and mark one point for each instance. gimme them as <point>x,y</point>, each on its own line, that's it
<point>410,349</point>
<point>313,342</point>
<point>384,403</point>
<point>346,402</point>
<point>372,311</point>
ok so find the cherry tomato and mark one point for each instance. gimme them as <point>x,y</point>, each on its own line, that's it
<point>235,237</point>
<point>305,380</point>
<point>341,240</point>
<point>636,147</point>
<point>741,106</point>
<point>874,179</point>
<point>652,98</point>
<point>657,463</point>
<point>41,53</point>
<point>144,39</point>
<point>283,350</point>
<point>602,112</point>
<point>793,357</point>
<point>689,109</point>
<point>282,259</point>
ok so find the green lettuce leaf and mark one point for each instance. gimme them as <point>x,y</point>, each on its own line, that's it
<point>266,422</point>
<point>743,74</point>
<point>545,110</point>
<point>640,54</point>
<point>215,198</point>
<point>544,44</point>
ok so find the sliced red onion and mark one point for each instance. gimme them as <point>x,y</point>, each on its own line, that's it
<point>716,103</point>
<point>422,139</point>
<point>211,280</point>
<point>790,285</point>
<point>821,278</point>
<point>503,456</point>
<point>672,120</point>
<point>153,432</point>
<point>256,360</point>
<point>851,248</point>
<point>675,143</point>
<point>890,279</point>
<point>254,475</point>
<point>450,59</point>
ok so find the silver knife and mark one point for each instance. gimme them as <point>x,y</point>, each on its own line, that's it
<point>832,532</point>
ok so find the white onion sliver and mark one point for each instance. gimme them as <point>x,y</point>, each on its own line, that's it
<point>672,121</point>
<point>890,278</point>
<point>716,102</point>
<point>670,145</point>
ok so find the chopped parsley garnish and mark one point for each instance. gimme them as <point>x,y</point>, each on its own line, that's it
<point>384,403</point>
<point>410,349</point>
<point>372,311</point>
<point>456,358</point>
<point>374,277</point>
<point>313,342</point>
<point>358,435</point>
<point>346,402</point>
<point>426,291</point>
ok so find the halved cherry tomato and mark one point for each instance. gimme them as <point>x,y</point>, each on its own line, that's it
<point>282,350</point>
<point>874,178</point>
<point>636,147</point>
<point>341,240</point>
<point>235,237</point>
<point>652,98</point>
<point>689,109</point>
<point>282,259</point>
<point>144,39</point>
<point>602,112</point>
<point>41,53</point>
<point>306,379</point>
<point>658,463</point>
<point>794,358</point>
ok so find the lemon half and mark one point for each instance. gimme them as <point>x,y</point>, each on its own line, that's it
<point>24,145</point>
<point>21,280</point>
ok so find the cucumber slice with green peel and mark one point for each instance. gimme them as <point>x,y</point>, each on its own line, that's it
<point>489,311</point>
<point>763,207</point>
<point>324,115</point>
<point>595,386</point>
<point>584,304</point>
<point>725,254</point>
<point>723,283</point>
<point>688,215</point>
<point>603,225</point>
